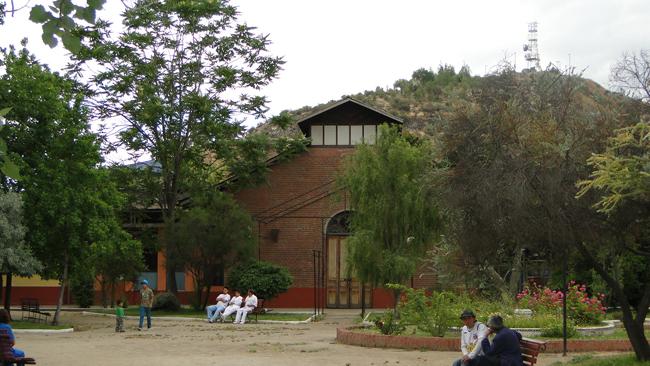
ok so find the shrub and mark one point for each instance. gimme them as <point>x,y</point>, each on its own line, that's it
<point>166,301</point>
<point>581,308</point>
<point>555,330</point>
<point>82,288</point>
<point>388,325</point>
<point>432,314</point>
<point>266,279</point>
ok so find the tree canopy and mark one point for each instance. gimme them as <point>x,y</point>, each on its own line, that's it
<point>180,77</point>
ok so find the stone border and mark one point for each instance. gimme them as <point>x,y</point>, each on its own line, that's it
<point>185,318</point>
<point>350,337</point>
<point>44,331</point>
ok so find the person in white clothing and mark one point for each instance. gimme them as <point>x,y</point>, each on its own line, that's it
<point>233,306</point>
<point>249,304</point>
<point>214,311</point>
<point>471,336</point>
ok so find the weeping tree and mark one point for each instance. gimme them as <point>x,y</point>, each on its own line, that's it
<point>396,216</point>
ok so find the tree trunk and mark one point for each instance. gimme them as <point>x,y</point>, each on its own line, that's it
<point>207,297</point>
<point>1,285</point>
<point>396,295</point>
<point>515,275</point>
<point>7,302</point>
<point>500,284</point>
<point>112,284</point>
<point>634,329</point>
<point>170,271</point>
<point>102,285</point>
<point>64,279</point>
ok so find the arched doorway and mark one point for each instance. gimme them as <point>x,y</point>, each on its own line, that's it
<point>343,289</point>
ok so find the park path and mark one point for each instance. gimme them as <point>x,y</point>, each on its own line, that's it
<point>176,343</point>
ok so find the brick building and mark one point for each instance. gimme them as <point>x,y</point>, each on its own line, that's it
<point>301,213</point>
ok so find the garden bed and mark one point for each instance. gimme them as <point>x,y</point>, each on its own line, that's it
<point>356,336</point>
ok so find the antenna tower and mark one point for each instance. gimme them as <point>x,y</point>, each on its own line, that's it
<point>531,53</point>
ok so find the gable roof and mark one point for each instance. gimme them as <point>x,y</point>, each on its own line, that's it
<point>304,121</point>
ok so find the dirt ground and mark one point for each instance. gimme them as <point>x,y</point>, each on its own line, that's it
<point>173,342</point>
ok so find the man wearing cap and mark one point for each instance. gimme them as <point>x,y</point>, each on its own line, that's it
<point>504,350</point>
<point>146,302</point>
<point>471,336</point>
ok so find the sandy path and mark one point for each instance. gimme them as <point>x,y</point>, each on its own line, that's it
<point>197,343</point>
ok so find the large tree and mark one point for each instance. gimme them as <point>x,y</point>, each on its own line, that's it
<point>395,212</point>
<point>69,203</point>
<point>16,256</point>
<point>517,143</point>
<point>180,76</point>
<point>619,186</point>
<point>209,238</point>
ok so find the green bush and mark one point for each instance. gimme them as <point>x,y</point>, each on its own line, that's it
<point>388,325</point>
<point>166,301</point>
<point>83,290</point>
<point>266,279</point>
<point>432,314</point>
<point>555,330</point>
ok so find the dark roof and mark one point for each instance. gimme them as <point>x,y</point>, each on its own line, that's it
<point>152,164</point>
<point>303,122</point>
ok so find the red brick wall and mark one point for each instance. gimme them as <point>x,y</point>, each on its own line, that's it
<point>298,200</point>
<point>299,192</point>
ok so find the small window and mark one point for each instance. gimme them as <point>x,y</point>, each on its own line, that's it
<point>356,133</point>
<point>369,134</point>
<point>343,133</point>
<point>316,135</point>
<point>330,135</point>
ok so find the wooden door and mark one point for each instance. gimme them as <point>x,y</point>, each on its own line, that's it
<point>343,290</point>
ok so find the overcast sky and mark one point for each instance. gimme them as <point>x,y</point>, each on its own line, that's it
<point>334,47</point>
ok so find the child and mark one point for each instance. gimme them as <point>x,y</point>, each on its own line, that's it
<point>119,316</point>
<point>5,327</point>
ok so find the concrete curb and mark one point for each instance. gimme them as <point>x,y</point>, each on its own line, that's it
<point>183,318</point>
<point>44,331</point>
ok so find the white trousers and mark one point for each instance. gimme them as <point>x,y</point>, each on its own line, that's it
<point>241,314</point>
<point>232,309</point>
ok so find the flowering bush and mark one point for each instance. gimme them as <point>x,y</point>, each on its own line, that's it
<point>581,308</point>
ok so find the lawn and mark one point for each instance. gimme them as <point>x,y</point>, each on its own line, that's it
<point>19,324</point>
<point>190,313</point>
<point>589,360</point>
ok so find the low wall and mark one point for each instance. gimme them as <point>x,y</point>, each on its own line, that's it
<point>352,336</point>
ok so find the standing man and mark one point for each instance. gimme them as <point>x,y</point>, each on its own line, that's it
<point>214,311</point>
<point>471,336</point>
<point>249,304</point>
<point>146,302</point>
<point>504,350</point>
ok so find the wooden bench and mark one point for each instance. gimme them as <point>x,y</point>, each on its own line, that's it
<point>33,310</point>
<point>6,354</point>
<point>259,309</point>
<point>530,348</point>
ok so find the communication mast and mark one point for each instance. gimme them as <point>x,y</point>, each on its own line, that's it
<point>531,53</point>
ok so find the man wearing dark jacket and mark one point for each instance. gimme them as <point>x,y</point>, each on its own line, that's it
<point>504,350</point>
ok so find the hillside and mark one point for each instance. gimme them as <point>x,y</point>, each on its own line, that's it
<point>429,96</point>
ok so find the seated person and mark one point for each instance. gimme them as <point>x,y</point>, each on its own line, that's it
<point>214,311</point>
<point>471,336</point>
<point>504,350</point>
<point>5,319</point>
<point>233,306</point>
<point>249,304</point>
